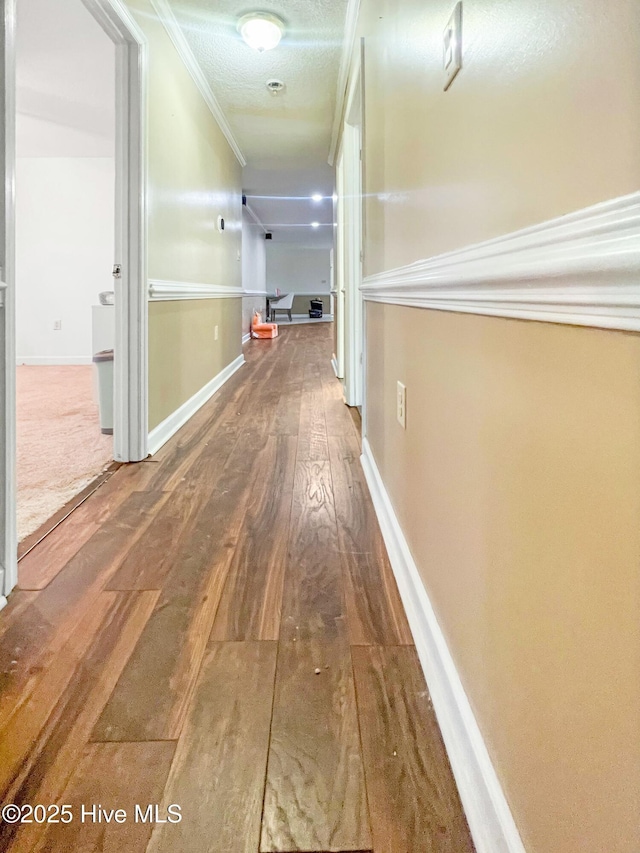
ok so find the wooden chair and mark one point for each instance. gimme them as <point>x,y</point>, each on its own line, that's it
<point>285,303</point>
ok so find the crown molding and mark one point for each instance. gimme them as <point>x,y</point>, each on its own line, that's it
<point>350,29</point>
<point>170,23</point>
<point>581,269</point>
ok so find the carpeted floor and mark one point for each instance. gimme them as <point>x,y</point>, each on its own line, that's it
<point>60,446</point>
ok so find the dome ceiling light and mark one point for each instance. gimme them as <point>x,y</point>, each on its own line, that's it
<point>261,30</point>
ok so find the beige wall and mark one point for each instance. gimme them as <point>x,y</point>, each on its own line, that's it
<point>517,484</point>
<point>193,177</point>
<point>179,371</point>
<point>517,480</point>
<point>543,119</point>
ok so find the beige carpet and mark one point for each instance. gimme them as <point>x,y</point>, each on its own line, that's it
<point>60,446</point>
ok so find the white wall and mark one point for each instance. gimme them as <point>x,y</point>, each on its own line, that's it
<point>297,270</point>
<point>254,264</point>
<point>64,253</point>
<point>65,176</point>
<point>254,268</point>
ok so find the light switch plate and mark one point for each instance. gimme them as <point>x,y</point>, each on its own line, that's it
<point>401,405</point>
<point>452,46</point>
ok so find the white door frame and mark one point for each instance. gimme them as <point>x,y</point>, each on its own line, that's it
<point>339,268</point>
<point>131,432</point>
<point>130,362</point>
<point>351,149</point>
<point>8,535</point>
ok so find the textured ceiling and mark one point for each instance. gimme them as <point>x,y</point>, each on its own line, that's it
<point>293,127</point>
<point>286,137</point>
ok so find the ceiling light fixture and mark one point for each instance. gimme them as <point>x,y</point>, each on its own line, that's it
<point>316,197</point>
<point>315,224</point>
<point>261,31</point>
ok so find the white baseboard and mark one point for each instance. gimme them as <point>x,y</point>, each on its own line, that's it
<point>169,427</point>
<point>3,601</point>
<point>54,360</point>
<point>246,338</point>
<point>490,820</point>
<point>305,318</point>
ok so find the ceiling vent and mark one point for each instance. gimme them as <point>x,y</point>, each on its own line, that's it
<point>275,86</point>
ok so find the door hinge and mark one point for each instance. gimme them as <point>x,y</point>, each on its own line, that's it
<point>117,271</point>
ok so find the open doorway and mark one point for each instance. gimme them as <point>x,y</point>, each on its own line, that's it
<point>349,364</point>
<point>130,419</point>
<point>65,233</point>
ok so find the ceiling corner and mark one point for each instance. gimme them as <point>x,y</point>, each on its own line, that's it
<point>168,19</point>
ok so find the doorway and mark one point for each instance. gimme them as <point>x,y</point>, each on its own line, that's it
<point>350,330</point>
<point>65,215</point>
<point>128,247</point>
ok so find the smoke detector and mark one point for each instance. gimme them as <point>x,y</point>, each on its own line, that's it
<point>275,86</point>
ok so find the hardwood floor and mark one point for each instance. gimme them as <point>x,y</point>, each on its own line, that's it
<point>218,628</point>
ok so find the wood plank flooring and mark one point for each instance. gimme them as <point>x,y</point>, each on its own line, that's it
<point>218,628</point>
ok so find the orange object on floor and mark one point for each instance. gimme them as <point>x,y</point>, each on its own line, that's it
<point>262,330</point>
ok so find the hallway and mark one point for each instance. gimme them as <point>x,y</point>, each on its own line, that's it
<point>219,628</point>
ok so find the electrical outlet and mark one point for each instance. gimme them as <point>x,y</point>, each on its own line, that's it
<point>215,333</point>
<point>401,405</point>
<point>57,325</point>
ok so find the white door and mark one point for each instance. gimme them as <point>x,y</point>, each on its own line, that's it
<point>351,228</point>
<point>339,272</point>
<point>8,543</point>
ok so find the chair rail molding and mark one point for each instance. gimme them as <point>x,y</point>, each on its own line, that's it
<point>580,269</point>
<point>170,23</point>
<point>164,291</point>
<point>490,820</point>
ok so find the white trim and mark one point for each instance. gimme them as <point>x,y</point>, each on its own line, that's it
<point>334,364</point>
<point>164,431</point>
<point>174,31</point>
<point>490,820</point>
<point>246,338</point>
<point>581,269</point>
<point>3,602</point>
<point>350,29</point>
<point>254,294</point>
<point>131,356</point>
<point>351,226</point>
<point>8,498</point>
<point>53,360</point>
<point>160,291</point>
